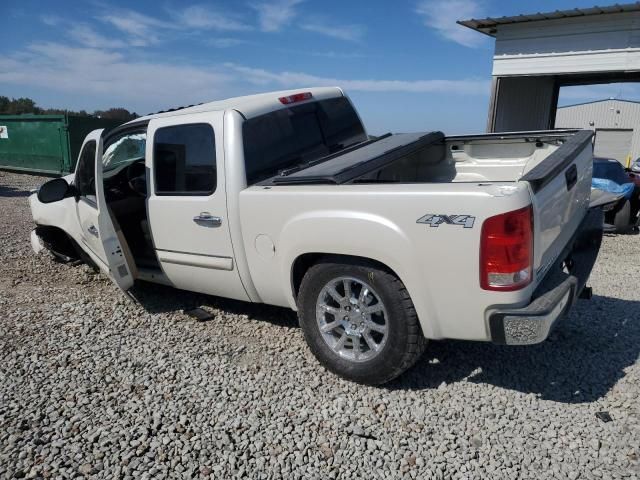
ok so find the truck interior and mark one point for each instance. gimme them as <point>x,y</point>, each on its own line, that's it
<point>125,187</point>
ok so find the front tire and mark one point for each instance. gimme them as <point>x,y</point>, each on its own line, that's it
<point>622,220</point>
<point>359,321</point>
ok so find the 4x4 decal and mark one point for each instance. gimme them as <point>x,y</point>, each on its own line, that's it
<point>435,220</point>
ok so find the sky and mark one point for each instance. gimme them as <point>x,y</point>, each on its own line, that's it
<point>406,64</point>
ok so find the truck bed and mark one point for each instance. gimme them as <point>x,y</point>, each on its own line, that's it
<point>431,157</point>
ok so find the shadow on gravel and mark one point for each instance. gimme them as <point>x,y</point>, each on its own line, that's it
<point>6,191</point>
<point>633,231</point>
<point>582,360</point>
<point>161,299</point>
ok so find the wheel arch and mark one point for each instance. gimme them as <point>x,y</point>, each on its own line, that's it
<point>57,241</point>
<point>305,261</point>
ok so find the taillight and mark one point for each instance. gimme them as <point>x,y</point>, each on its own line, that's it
<point>506,250</point>
<point>296,97</point>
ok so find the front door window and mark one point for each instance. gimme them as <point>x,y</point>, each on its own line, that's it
<point>85,179</point>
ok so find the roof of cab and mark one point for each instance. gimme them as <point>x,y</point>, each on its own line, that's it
<point>249,106</point>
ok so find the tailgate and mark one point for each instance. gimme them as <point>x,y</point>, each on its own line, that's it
<point>561,187</point>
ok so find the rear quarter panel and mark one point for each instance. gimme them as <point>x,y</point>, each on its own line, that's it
<point>438,265</point>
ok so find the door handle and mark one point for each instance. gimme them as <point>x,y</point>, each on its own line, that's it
<point>93,230</point>
<point>208,219</point>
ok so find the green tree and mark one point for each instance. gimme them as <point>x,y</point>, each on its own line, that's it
<point>116,114</point>
<point>4,103</point>
<point>18,106</point>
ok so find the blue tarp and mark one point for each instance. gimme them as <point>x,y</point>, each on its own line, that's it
<point>626,189</point>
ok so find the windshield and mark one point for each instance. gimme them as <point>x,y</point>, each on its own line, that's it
<point>124,150</point>
<point>298,135</point>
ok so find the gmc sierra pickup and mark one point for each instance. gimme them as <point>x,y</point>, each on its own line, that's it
<point>378,243</point>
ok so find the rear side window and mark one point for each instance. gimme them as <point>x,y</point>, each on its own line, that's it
<point>85,179</point>
<point>297,135</point>
<point>184,160</point>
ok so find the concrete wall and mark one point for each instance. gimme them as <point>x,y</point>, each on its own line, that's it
<point>610,114</point>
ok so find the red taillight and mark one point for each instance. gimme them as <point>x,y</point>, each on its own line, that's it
<point>296,97</point>
<point>506,250</point>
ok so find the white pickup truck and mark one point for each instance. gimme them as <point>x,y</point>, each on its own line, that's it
<point>379,243</point>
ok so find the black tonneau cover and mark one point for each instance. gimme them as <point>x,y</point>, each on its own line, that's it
<point>355,162</point>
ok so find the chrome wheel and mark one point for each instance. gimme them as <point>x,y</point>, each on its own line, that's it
<point>352,319</point>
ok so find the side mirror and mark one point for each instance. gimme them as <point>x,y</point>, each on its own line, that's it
<point>54,190</point>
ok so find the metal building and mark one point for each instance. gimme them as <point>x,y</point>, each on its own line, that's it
<point>616,123</point>
<point>536,54</point>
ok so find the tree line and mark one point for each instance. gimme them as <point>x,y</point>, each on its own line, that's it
<point>18,106</point>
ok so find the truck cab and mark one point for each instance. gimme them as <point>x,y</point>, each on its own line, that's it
<point>168,173</point>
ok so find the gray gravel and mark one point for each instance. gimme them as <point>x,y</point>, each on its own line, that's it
<point>92,384</point>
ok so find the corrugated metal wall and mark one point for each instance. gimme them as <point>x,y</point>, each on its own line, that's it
<point>606,114</point>
<point>523,103</point>
<point>601,43</point>
<point>613,143</point>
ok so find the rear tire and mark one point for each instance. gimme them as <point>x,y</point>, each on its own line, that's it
<point>359,321</point>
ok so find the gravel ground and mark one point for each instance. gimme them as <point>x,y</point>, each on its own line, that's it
<point>92,384</point>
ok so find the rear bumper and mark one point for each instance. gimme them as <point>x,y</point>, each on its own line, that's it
<point>556,293</point>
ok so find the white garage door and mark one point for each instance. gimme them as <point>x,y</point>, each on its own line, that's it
<point>613,143</point>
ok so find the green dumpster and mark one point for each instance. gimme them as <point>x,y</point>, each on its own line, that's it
<point>46,144</point>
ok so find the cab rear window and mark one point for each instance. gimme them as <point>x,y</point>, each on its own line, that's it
<point>298,135</point>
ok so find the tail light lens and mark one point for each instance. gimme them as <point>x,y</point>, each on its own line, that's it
<point>506,250</point>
